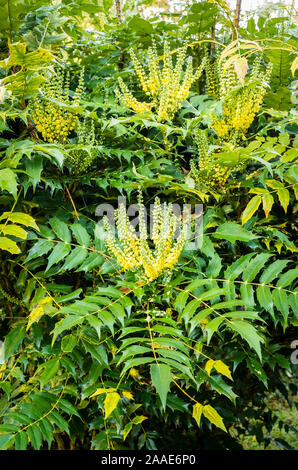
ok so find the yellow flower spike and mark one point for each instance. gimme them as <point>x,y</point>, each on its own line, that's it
<point>164,84</point>
<point>51,121</point>
<point>133,253</point>
<point>241,101</point>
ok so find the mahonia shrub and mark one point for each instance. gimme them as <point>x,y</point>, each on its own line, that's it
<point>133,252</point>
<point>55,113</point>
<point>166,86</point>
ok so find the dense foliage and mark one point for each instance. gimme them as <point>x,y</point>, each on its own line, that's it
<point>130,342</point>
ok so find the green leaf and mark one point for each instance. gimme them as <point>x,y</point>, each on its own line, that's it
<point>76,257</point>
<point>35,436</point>
<point>255,266</point>
<point>40,248</point>
<point>137,362</point>
<point>8,181</point>
<point>249,333</point>
<point>50,369</point>
<point>95,323</point>
<point>213,326</point>
<point>272,271</point>
<point>232,232</point>
<point>140,25</point>
<point>59,252</point>
<point>21,440</point>
<point>97,352</point>
<point>8,428</point>
<point>68,407</point>
<point>236,268</point>
<point>81,234</point>
<point>161,378</point>
<point>61,229</point>
<point>68,343</point>
<point>66,324</point>
<point>265,298</point>
<point>33,170</point>
<point>6,441</point>
<point>13,340</point>
<point>118,312</point>
<point>281,302</point>
<point>287,278</point>
<point>217,383</point>
<point>92,261</point>
<point>59,421</point>
<point>181,301</point>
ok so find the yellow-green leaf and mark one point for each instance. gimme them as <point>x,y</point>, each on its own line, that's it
<point>223,369</point>
<point>20,218</point>
<point>110,403</point>
<point>127,429</point>
<point>139,419</point>
<point>251,208</point>
<point>9,245</point>
<point>284,198</point>
<point>99,391</point>
<point>294,65</point>
<point>135,421</point>
<point>34,316</point>
<point>37,312</point>
<point>209,365</point>
<point>128,395</point>
<point>13,230</point>
<point>211,414</point>
<point>197,412</point>
<point>267,201</point>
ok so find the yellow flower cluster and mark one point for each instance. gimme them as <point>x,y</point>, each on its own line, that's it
<point>166,86</point>
<point>155,255</point>
<point>52,113</point>
<point>240,102</point>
